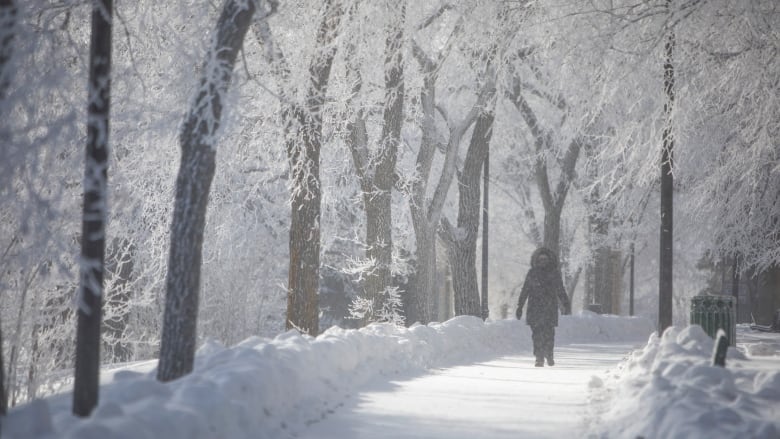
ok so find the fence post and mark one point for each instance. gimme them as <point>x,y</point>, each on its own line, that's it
<point>719,351</point>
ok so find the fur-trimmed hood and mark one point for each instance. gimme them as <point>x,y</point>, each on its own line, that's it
<point>546,251</point>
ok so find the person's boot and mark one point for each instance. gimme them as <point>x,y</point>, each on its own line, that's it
<point>539,362</point>
<point>550,361</point>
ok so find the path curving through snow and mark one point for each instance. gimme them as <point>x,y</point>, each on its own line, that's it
<point>503,398</point>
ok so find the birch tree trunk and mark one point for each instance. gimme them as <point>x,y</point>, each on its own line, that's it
<point>95,213</point>
<point>196,171</point>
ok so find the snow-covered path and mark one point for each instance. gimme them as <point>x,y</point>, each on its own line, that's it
<point>504,398</point>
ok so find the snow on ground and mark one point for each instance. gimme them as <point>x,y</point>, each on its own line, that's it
<point>293,385</point>
<point>672,383</point>
<point>503,398</point>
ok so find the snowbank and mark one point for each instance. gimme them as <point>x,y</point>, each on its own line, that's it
<point>271,387</point>
<point>671,382</point>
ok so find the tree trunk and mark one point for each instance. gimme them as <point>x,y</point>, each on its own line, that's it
<point>379,241</point>
<point>376,171</point>
<point>196,171</point>
<point>426,213</point>
<point>425,217</point>
<point>552,228</point>
<point>601,272</point>
<point>485,206</point>
<point>8,13</point>
<point>665,286</point>
<point>95,212</point>
<point>303,276</point>
<point>303,151</point>
<point>7,25</point>
<point>552,199</point>
<point>631,282</point>
<point>735,285</point>
<point>462,242</point>
<point>3,394</point>
<point>464,277</point>
<point>425,276</point>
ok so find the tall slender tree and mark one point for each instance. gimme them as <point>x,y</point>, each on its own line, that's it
<point>376,169</point>
<point>303,139</point>
<point>485,211</point>
<point>665,290</point>
<point>196,171</point>
<point>461,239</point>
<point>95,213</point>
<point>3,397</point>
<point>426,211</point>
<point>303,150</point>
<point>8,13</point>
<point>553,199</point>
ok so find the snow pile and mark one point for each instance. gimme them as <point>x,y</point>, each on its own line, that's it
<point>589,327</point>
<point>273,387</point>
<point>762,349</point>
<point>672,383</point>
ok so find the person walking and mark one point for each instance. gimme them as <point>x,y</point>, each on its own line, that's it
<point>543,288</point>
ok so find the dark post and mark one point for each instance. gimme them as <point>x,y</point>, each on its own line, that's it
<point>735,285</point>
<point>665,289</point>
<point>631,282</point>
<point>93,232</point>
<point>2,379</point>
<point>720,349</point>
<point>485,180</point>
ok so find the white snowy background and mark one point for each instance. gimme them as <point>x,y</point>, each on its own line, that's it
<point>614,377</point>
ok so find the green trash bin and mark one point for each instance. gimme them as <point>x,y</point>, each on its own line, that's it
<point>713,313</point>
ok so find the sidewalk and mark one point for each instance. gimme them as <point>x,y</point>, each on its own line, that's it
<point>503,398</point>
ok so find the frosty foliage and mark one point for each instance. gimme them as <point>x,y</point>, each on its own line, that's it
<point>362,309</point>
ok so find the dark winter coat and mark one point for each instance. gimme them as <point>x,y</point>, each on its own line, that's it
<point>543,288</point>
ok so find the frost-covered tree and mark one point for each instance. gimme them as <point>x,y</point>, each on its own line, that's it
<point>3,397</point>
<point>727,53</point>
<point>485,54</point>
<point>198,140</point>
<point>7,23</point>
<point>8,13</point>
<point>39,171</point>
<point>546,146</point>
<point>303,127</point>
<point>95,214</point>
<point>714,131</point>
<point>461,238</point>
<point>426,207</point>
<point>376,171</point>
<point>665,260</point>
